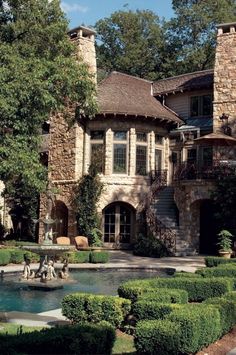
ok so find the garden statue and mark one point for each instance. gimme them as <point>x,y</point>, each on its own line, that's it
<point>64,273</point>
<point>49,273</point>
<point>27,272</point>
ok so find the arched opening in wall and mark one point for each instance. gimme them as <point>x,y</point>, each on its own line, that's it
<point>208,237</point>
<point>118,223</point>
<point>60,214</point>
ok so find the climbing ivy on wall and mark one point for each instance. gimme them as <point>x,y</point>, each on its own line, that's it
<point>86,196</point>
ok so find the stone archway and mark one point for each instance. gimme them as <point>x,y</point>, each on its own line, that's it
<point>60,214</point>
<point>118,223</point>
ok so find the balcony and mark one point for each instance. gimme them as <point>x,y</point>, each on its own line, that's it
<point>209,171</point>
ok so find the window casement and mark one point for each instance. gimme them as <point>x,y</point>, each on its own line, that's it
<point>120,151</point>
<point>141,153</point>
<point>97,150</point>
<point>191,156</point>
<point>201,105</point>
<point>159,139</point>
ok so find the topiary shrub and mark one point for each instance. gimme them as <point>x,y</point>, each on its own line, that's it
<point>164,295</point>
<point>4,256</point>
<point>99,257</point>
<point>145,309</point>
<point>82,307</point>
<point>227,310</point>
<point>225,270</point>
<point>77,257</point>
<point>212,261</point>
<point>198,288</point>
<point>150,246</point>
<point>92,339</point>
<point>157,337</point>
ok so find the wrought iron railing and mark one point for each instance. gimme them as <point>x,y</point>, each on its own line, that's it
<point>211,171</point>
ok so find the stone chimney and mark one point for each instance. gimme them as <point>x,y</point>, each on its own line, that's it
<point>84,38</point>
<point>224,106</point>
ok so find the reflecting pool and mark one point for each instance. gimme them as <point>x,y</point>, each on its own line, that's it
<point>15,297</point>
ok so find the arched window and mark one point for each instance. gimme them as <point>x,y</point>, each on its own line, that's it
<point>118,223</point>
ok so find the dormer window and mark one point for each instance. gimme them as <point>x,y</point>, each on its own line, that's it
<point>201,106</point>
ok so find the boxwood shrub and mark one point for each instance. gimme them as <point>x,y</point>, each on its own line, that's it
<point>230,296</point>
<point>227,309</point>
<point>143,310</point>
<point>77,257</point>
<point>227,270</point>
<point>188,275</point>
<point>4,256</point>
<point>92,339</point>
<point>212,261</point>
<point>165,295</point>
<point>17,256</point>
<point>157,337</point>
<point>198,288</point>
<point>99,257</point>
<point>82,307</point>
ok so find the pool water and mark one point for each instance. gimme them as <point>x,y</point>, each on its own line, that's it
<point>14,297</point>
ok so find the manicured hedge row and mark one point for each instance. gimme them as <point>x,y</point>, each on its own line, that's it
<point>18,256</point>
<point>227,270</point>
<point>4,256</point>
<point>227,309</point>
<point>198,288</point>
<point>92,339</point>
<point>143,310</point>
<point>212,261</point>
<point>82,307</point>
<point>185,330</point>
<point>87,256</point>
<point>165,295</point>
<point>183,274</point>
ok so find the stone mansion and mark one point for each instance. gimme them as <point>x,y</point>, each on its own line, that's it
<point>144,138</point>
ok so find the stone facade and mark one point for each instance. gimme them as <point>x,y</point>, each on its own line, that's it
<point>225,77</point>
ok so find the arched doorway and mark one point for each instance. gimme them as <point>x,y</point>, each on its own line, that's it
<point>118,223</point>
<point>60,214</point>
<point>208,230</point>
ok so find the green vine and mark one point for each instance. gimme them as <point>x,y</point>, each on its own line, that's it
<point>86,196</point>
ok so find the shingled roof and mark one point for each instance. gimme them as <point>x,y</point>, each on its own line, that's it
<point>189,81</point>
<point>123,94</point>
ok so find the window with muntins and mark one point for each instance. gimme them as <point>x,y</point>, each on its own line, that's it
<point>141,153</point>
<point>120,152</point>
<point>201,105</point>
<point>97,150</point>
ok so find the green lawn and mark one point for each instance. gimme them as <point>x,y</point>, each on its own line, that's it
<point>11,328</point>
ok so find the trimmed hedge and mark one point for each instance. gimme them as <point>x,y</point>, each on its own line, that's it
<point>78,257</point>
<point>198,288</point>
<point>184,274</point>
<point>99,257</point>
<point>227,270</point>
<point>185,330</point>
<point>4,256</point>
<point>143,310</point>
<point>83,307</point>
<point>227,309</point>
<point>165,295</point>
<point>18,255</point>
<point>230,296</point>
<point>211,261</point>
<point>92,339</point>
<point>157,337</point>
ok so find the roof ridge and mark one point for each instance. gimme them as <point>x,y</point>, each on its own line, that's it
<point>131,76</point>
<point>181,75</point>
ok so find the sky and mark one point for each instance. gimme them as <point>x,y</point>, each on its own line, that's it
<point>88,12</point>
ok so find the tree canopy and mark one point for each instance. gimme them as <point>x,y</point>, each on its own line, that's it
<point>138,43</point>
<point>39,75</point>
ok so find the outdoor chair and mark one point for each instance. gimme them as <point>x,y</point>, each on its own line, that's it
<point>81,242</point>
<point>63,240</point>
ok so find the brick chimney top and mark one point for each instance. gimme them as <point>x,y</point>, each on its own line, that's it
<point>226,28</point>
<point>82,31</point>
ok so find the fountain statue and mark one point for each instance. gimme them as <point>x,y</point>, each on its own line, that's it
<point>47,250</point>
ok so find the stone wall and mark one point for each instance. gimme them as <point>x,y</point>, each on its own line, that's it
<point>225,77</point>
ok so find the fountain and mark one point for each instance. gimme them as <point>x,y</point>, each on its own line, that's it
<point>46,277</point>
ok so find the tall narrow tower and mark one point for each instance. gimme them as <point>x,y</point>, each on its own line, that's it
<point>84,38</point>
<point>224,107</point>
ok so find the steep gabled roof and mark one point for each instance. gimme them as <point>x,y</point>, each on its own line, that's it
<point>123,94</point>
<point>190,81</point>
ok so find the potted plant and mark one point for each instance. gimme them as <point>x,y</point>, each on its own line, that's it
<point>225,243</point>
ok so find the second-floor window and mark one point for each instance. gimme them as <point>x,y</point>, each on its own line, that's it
<point>97,150</point>
<point>141,153</point>
<point>120,152</point>
<point>201,105</point>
